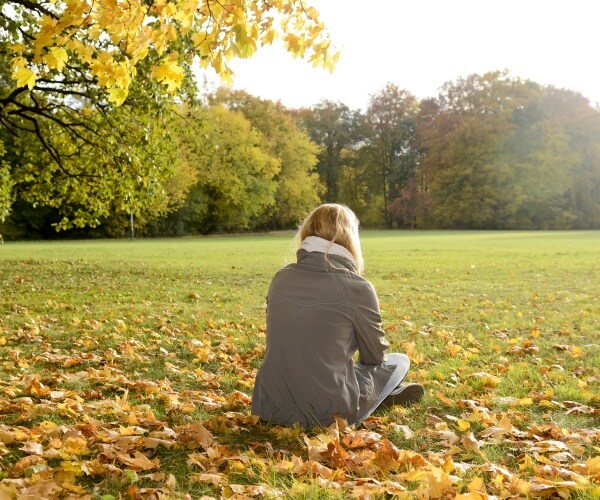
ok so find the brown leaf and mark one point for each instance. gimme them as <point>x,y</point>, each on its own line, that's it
<point>387,455</point>
<point>138,461</point>
<point>35,387</point>
<point>335,454</point>
<point>19,467</point>
<point>237,399</point>
<point>196,433</point>
<point>32,448</point>
<point>209,478</point>
<point>132,492</point>
<point>361,439</point>
<point>42,489</point>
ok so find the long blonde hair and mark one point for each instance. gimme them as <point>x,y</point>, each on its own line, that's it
<point>336,223</point>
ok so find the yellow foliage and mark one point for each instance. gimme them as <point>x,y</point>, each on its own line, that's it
<point>113,36</point>
<point>56,58</point>
<point>24,77</point>
<point>169,73</point>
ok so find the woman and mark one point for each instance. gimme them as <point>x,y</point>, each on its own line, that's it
<point>320,312</point>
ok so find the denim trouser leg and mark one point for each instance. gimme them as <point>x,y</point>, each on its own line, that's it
<point>400,363</point>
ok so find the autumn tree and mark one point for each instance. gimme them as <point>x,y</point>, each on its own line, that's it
<point>236,176</point>
<point>501,152</point>
<point>390,116</point>
<point>66,65</point>
<point>335,128</point>
<point>299,187</point>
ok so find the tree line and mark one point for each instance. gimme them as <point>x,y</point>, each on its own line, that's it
<point>98,105</point>
<point>102,128</point>
<point>489,152</point>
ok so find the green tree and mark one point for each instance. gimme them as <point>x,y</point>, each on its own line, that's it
<point>6,187</point>
<point>299,187</point>
<point>390,116</point>
<point>236,184</point>
<point>335,128</point>
<point>500,152</point>
<point>580,125</point>
<point>66,66</point>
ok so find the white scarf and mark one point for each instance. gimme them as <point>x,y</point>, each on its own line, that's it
<point>317,244</point>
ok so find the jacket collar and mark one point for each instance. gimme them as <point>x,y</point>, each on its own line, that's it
<point>325,261</point>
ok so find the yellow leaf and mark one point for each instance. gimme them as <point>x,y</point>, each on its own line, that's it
<point>293,43</point>
<point>47,425</point>
<point>24,77</point>
<point>74,446</point>
<point>593,465</point>
<point>526,463</point>
<point>440,395</point>
<point>117,96</point>
<point>576,352</point>
<point>477,485</point>
<point>56,58</point>
<point>525,402</point>
<point>169,73</point>
<point>519,486</point>
<point>489,380</point>
<point>463,425</point>
<point>269,37</point>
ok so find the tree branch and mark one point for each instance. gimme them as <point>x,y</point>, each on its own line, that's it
<point>32,5</point>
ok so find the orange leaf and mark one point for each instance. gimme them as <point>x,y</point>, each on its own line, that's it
<point>361,439</point>
<point>138,461</point>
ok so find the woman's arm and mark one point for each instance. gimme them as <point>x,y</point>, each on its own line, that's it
<point>367,326</point>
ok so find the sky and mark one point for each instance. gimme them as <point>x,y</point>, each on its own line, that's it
<point>421,44</point>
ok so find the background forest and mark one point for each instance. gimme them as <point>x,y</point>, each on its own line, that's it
<point>489,152</point>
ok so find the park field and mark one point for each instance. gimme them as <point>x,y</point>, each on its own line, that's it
<point>126,370</point>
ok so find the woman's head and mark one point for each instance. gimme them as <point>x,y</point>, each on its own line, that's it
<point>336,223</point>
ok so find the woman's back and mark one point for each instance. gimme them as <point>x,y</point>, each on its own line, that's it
<point>307,374</point>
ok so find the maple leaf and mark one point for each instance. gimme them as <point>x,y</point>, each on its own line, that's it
<point>387,456</point>
<point>24,77</point>
<point>35,387</point>
<point>434,483</point>
<point>169,73</point>
<point>361,439</point>
<point>56,58</point>
<point>74,445</point>
<point>196,433</point>
<point>138,461</point>
<point>41,489</point>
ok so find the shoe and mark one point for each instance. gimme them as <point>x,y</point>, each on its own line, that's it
<point>404,394</point>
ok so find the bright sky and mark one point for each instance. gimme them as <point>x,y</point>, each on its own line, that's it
<point>421,44</point>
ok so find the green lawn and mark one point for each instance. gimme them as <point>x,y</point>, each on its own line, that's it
<point>126,367</point>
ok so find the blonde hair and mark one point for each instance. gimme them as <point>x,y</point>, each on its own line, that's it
<point>335,223</point>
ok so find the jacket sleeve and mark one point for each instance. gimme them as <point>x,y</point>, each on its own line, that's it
<point>367,326</point>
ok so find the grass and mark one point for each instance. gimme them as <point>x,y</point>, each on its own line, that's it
<point>509,320</point>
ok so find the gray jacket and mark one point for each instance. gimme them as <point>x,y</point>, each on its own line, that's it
<point>319,313</point>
